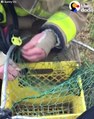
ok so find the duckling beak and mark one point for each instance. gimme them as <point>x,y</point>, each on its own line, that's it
<point>75,5</point>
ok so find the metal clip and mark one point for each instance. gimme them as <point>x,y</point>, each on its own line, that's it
<point>17,41</point>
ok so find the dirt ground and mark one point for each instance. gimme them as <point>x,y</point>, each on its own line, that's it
<point>87,37</point>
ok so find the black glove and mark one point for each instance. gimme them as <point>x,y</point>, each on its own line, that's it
<point>89,114</point>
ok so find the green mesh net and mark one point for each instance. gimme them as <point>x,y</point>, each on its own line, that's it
<point>52,88</point>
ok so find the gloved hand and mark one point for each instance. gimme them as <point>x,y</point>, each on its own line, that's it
<point>13,69</point>
<point>39,46</point>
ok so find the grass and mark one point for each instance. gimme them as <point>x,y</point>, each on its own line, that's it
<point>87,37</point>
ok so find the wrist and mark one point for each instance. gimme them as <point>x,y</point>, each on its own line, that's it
<point>47,41</point>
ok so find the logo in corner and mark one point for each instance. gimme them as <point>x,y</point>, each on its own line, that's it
<point>74,6</point>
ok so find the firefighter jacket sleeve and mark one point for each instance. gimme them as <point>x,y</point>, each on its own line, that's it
<point>65,24</point>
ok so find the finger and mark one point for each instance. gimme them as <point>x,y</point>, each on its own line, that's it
<point>31,52</point>
<point>13,71</point>
<point>33,42</point>
<point>1,69</point>
<point>1,75</point>
<point>14,65</point>
<point>10,77</point>
<point>38,58</point>
<point>35,58</point>
<point>1,72</point>
<point>10,70</point>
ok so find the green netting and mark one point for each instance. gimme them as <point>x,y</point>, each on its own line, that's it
<point>51,87</point>
<point>48,96</point>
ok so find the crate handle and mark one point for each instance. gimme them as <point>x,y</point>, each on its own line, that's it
<point>41,71</point>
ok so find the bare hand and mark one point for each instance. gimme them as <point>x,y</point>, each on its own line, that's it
<point>13,71</point>
<point>31,52</point>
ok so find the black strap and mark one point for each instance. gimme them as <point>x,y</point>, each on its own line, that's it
<point>3,46</point>
<point>14,15</point>
<point>89,114</point>
<point>5,42</point>
<point>5,114</point>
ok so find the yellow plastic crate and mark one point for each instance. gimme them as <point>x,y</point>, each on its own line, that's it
<point>55,71</point>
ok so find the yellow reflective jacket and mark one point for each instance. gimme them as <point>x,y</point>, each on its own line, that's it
<point>64,22</point>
